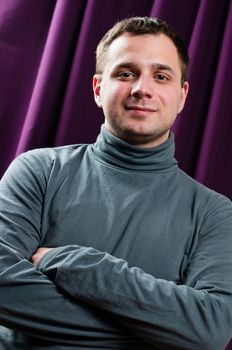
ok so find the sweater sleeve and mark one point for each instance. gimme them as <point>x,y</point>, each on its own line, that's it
<point>196,314</point>
<point>29,301</point>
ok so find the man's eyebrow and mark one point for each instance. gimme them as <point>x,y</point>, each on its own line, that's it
<point>126,65</point>
<point>155,66</point>
<point>161,66</point>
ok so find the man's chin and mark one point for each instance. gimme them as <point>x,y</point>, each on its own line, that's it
<point>144,138</point>
<point>140,139</point>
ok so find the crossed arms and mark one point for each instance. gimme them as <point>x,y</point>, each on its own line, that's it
<point>72,283</point>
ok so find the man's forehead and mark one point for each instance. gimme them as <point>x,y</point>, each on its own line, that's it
<point>128,37</point>
<point>158,49</point>
<point>150,43</point>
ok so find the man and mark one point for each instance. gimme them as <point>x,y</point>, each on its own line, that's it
<point>143,253</point>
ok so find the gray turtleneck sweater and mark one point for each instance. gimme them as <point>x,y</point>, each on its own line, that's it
<point>144,255</point>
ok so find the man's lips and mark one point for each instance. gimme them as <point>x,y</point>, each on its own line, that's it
<point>141,108</point>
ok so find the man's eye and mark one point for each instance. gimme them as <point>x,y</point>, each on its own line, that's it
<point>126,75</point>
<point>161,77</point>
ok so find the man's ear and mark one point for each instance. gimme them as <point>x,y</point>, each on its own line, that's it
<point>184,93</point>
<point>97,89</point>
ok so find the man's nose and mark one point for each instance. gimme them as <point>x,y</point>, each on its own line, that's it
<point>142,87</point>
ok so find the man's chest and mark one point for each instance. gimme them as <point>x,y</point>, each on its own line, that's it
<point>135,224</point>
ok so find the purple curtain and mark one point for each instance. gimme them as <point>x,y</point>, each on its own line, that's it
<point>47,50</point>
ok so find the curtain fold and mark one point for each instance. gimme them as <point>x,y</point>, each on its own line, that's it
<point>216,148</point>
<point>204,51</point>
<point>49,88</point>
<point>23,32</point>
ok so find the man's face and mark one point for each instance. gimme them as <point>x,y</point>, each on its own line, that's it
<point>140,88</point>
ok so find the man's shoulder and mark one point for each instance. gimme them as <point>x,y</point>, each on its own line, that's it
<point>50,155</point>
<point>41,162</point>
<point>201,192</point>
<point>54,152</point>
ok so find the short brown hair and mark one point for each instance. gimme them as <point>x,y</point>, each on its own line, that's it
<point>139,26</point>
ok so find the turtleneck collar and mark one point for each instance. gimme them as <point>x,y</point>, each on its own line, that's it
<point>116,152</point>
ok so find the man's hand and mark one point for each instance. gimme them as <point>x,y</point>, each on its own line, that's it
<point>39,254</point>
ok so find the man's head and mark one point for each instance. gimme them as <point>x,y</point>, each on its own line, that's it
<point>140,26</point>
<point>140,81</point>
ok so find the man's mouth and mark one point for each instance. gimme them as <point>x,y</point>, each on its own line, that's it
<point>141,108</point>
